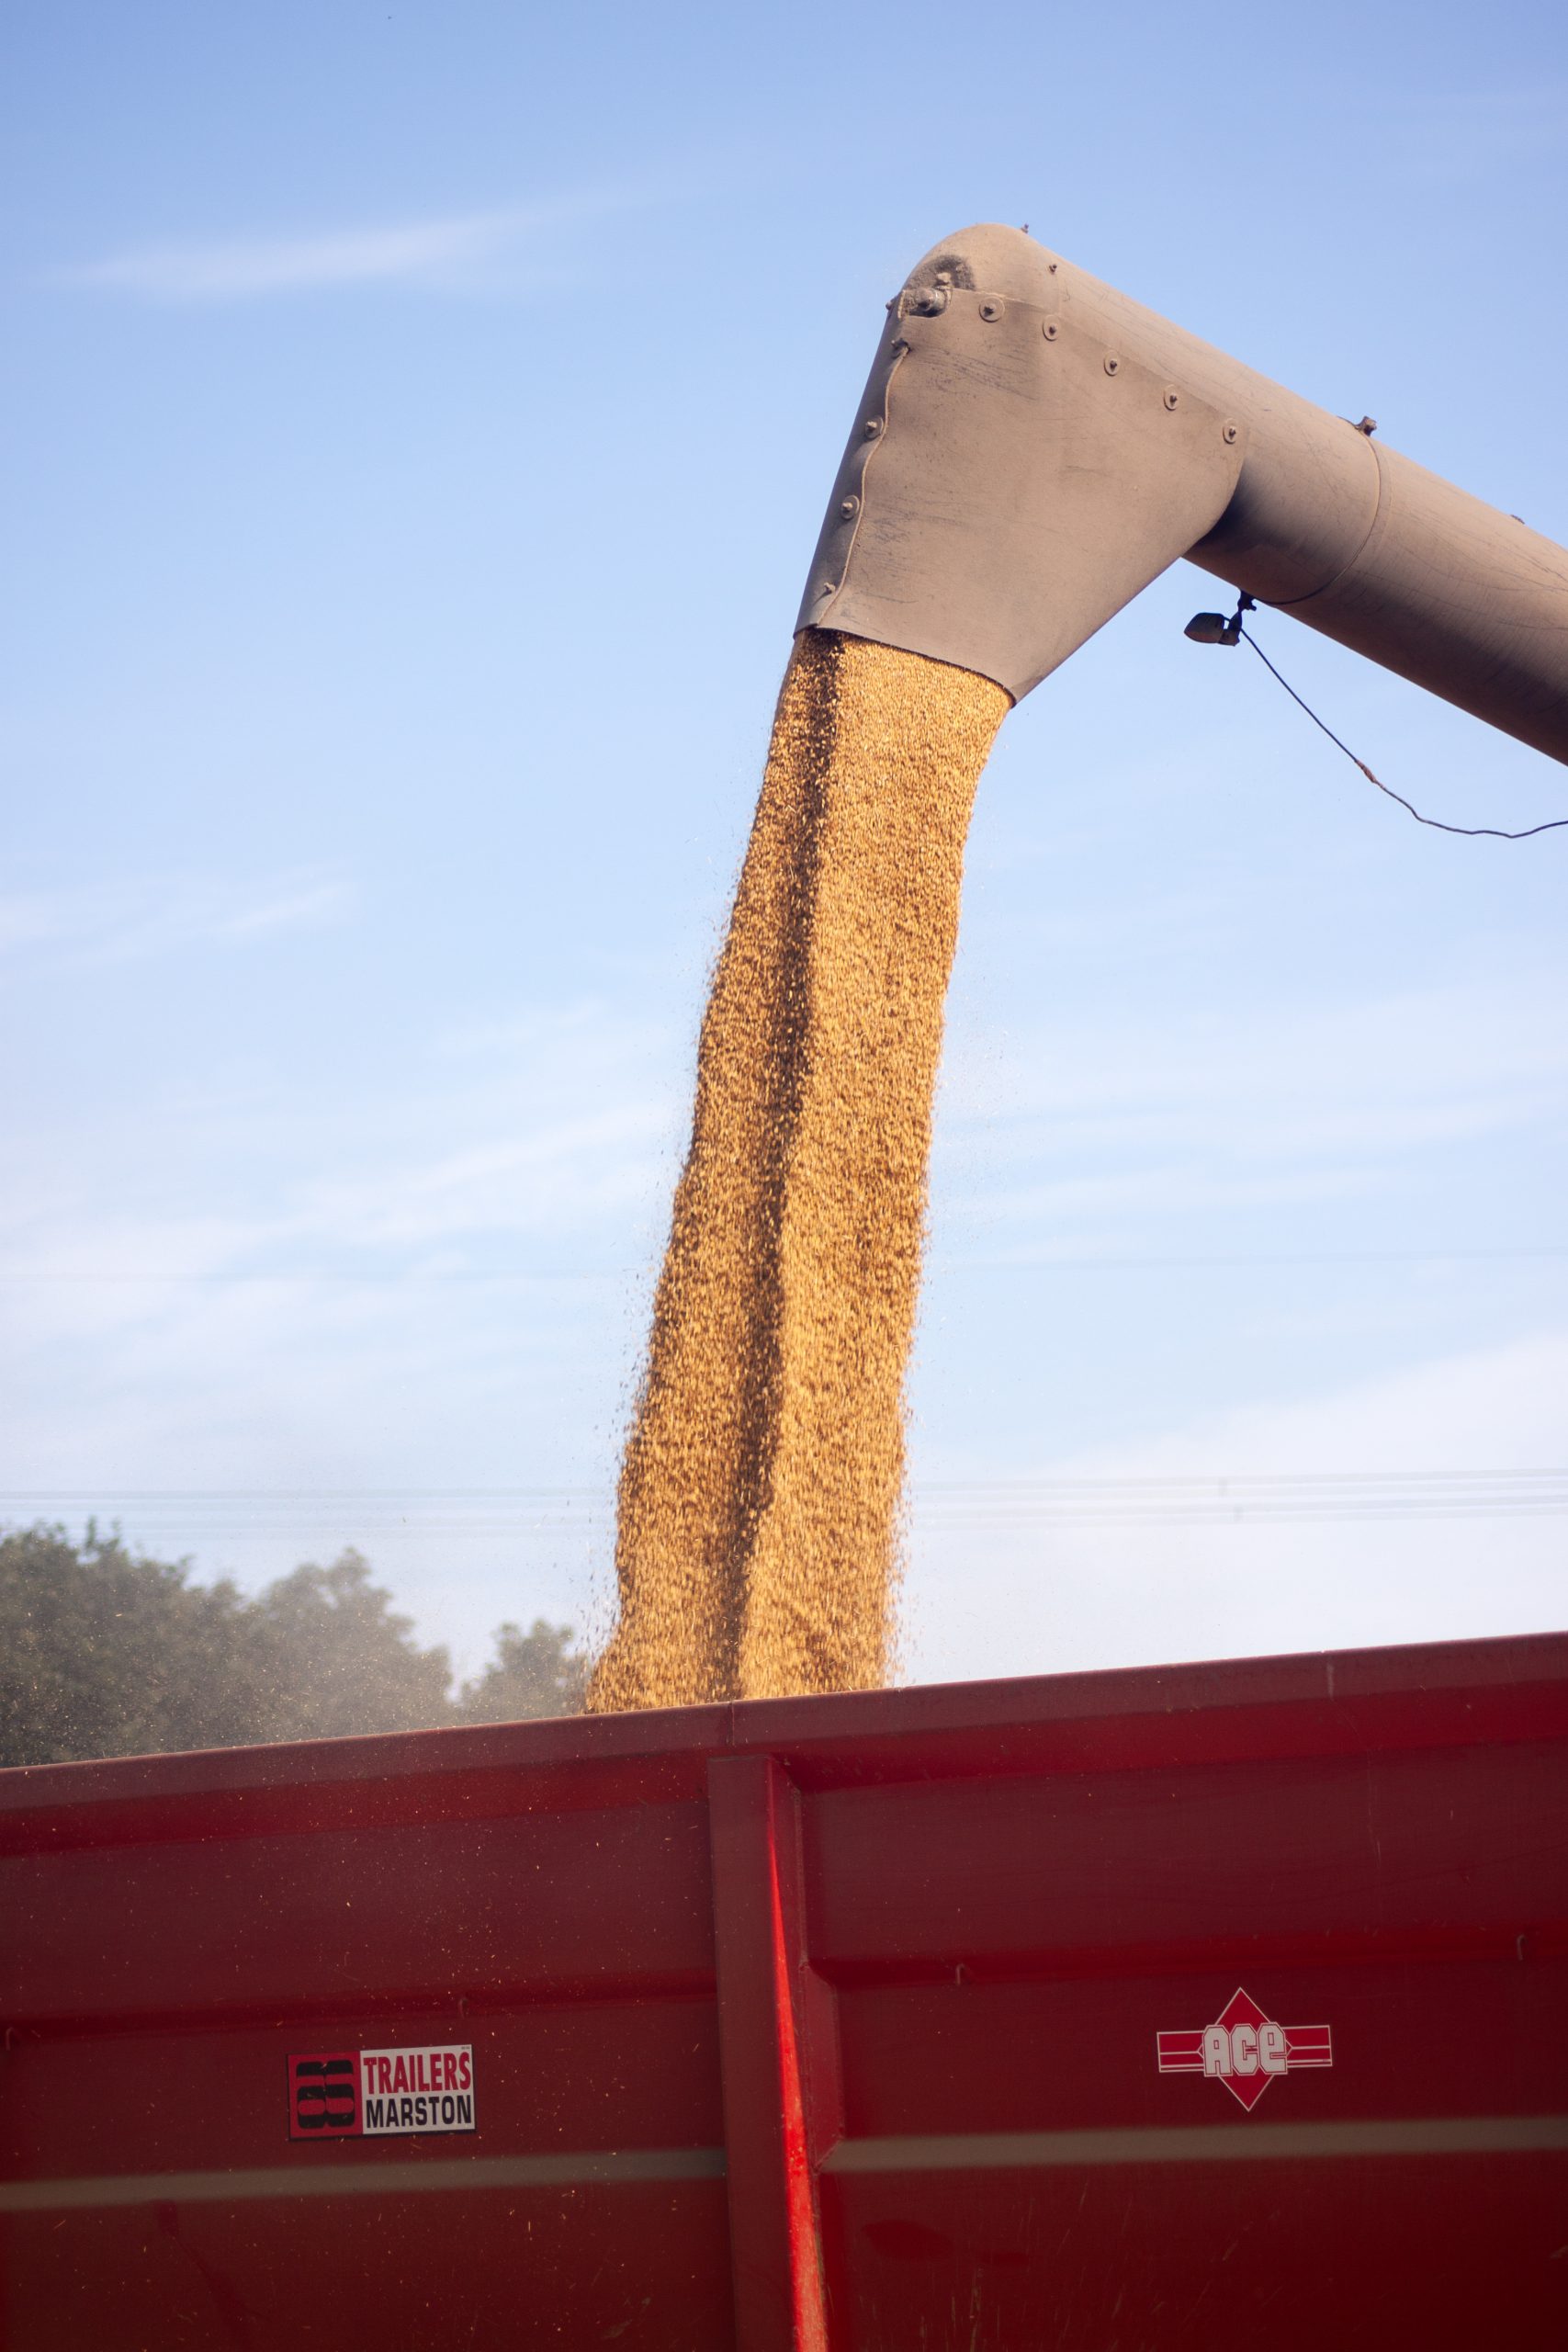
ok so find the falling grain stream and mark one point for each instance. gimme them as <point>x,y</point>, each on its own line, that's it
<point>758,1518</point>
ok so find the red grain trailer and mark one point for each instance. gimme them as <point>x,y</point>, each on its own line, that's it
<point>1211,2006</point>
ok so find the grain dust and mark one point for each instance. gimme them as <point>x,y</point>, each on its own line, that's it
<point>757,1529</point>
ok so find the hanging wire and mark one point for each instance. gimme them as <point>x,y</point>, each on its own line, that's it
<point>1235,629</point>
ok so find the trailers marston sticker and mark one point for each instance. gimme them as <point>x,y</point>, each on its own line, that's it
<point>1245,2049</point>
<point>368,2094</point>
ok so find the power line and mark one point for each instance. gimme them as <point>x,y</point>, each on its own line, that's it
<point>941,1262</point>
<point>1207,1480</point>
<point>979,1507</point>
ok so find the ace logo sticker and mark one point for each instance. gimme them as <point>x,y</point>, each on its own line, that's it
<point>370,2093</point>
<point>1244,2049</point>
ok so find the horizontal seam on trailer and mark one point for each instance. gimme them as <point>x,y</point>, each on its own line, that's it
<point>1210,2144</point>
<point>586,2168</point>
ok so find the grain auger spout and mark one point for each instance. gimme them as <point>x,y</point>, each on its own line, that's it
<point>1032,448</point>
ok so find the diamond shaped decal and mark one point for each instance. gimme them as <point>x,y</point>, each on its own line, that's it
<point>1245,2047</point>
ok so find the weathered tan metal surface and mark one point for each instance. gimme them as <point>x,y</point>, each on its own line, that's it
<point>1032,448</point>
<point>1466,601</point>
<point>1004,494</point>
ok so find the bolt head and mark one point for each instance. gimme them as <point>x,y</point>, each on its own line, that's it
<point>1112,365</point>
<point>872,427</point>
<point>1229,431</point>
<point>849,506</point>
<point>991,308</point>
<point>1172,397</point>
<point>1050,330</point>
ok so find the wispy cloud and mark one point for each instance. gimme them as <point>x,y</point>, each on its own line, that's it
<point>1454,136</point>
<point>1087,1122</point>
<point>141,915</point>
<point>448,252</point>
<point>561,1134</point>
<point>428,252</point>
<point>1011,1592</point>
<point>305,906</point>
<point>250,1283</point>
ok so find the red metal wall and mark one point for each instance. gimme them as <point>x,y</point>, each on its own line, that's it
<point>821,2023</point>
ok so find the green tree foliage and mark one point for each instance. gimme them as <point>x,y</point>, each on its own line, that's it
<point>533,1673</point>
<point>338,1659</point>
<point>104,1652</point>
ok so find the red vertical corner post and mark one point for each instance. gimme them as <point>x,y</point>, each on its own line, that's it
<point>773,2024</point>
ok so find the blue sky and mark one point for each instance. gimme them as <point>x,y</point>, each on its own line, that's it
<point>417,425</point>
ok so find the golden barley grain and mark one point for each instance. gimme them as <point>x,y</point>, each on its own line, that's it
<point>756,1546</point>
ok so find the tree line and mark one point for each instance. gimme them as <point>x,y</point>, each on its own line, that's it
<point>105,1652</point>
